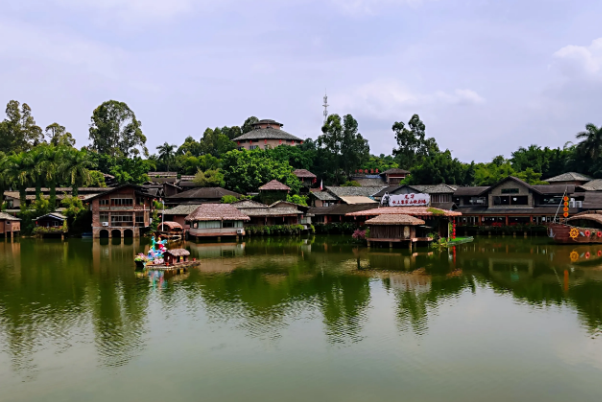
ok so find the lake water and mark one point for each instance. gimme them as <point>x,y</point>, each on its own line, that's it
<point>499,319</point>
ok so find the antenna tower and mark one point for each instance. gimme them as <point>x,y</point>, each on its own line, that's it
<point>325,113</point>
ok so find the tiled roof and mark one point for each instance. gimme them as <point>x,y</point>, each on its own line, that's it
<point>354,191</point>
<point>570,176</point>
<point>339,209</point>
<point>162,174</point>
<point>304,173</point>
<point>366,182</point>
<point>594,185</point>
<point>353,200</point>
<point>274,185</point>
<point>443,205</point>
<point>59,196</point>
<point>323,196</point>
<point>7,217</point>
<point>470,191</point>
<point>396,171</point>
<point>267,211</point>
<point>554,188</point>
<point>414,211</point>
<point>182,209</point>
<point>395,219</point>
<point>204,192</point>
<point>248,204</point>
<point>217,212</point>
<point>53,215</point>
<point>267,133</point>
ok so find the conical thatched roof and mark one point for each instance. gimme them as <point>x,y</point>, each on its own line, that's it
<point>395,219</point>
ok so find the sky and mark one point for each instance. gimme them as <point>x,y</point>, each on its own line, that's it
<point>485,76</point>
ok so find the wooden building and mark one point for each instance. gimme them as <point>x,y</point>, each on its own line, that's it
<point>216,220</point>
<point>322,199</point>
<point>199,195</point>
<point>273,191</point>
<point>279,213</point>
<point>176,256</point>
<point>394,176</point>
<point>394,228</point>
<point>179,213</point>
<point>308,179</point>
<point>122,211</point>
<point>9,225</point>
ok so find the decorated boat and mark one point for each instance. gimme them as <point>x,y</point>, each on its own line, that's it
<point>160,258</point>
<point>584,228</point>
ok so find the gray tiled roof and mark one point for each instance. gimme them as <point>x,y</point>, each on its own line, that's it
<point>470,191</point>
<point>182,209</point>
<point>8,217</point>
<point>204,193</point>
<point>594,185</point>
<point>267,133</point>
<point>354,191</point>
<point>570,176</point>
<point>323,196</point>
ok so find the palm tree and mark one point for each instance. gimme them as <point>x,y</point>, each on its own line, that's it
<point>166,153</point>
<point>591,144</point>
<point>37,156</point>
<point>20,172</point>
<point>3,177</point>
<point>51,167</point>
<point>75,168</point>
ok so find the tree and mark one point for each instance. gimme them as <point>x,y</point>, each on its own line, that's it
<point>19,171</point>
<point>52,161</point>
<point>97,179</point>
<point>412,144</point>
<point>75,167</point>
<point>19,131</point>
<point>591,141</point>
<point>166,153</point>
<point>248,124</point>
<point>231,132</point>
<point>4,182</point>
<point>215,143</point>
<point>58,136</point>
<point>115,131</point>
<point>344,146</point>
<point>191,164</point>
<point>246,171</point>
<point>190,146</point>
<point>442,168</point>
<point>209,178</point>
<point>133,171</point>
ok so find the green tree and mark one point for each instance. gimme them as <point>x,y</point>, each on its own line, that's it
<point>52,161</point>
<point>190,146</point>
<point>20,173</point>
<point>75,167</point>
<point>166,153</point>
<point>19,132</point>
<point>209,178</point>
<point>59,136</point>
<point>442,168</point>
<point>412,144</point>
<point>246,171</point>
<point>344,147</point>
<point>115,131</point>
<point>4,179</point>
<point>190,164</point>
<point>215,143</point>
<point>591,142</point>
<point>248,124</point>
<point>131,170</point>
<point>97,179</point>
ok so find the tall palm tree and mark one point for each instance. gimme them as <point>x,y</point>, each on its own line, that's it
<point>20,172</point>
<point>591,144</point>
<point>74,167</point>
<point>51,164</point>
<point>166,153</point>
<point>37,156</point>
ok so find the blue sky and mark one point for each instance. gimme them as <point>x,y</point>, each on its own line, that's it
<point>485,76</point>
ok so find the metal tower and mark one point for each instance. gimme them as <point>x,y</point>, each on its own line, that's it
<point>325,113</point>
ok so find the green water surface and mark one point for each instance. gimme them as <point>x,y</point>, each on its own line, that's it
<point>499,319</point>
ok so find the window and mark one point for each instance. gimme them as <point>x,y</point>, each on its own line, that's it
<point>121,218</point>
<point>253,146</point>
<point>140,200</point>
<point>229,224</point>
<point>104,217</point>
<point>520,200</point>
<point>122,201</point>
<point>103,202</point>
<point>139,218</point>
<point>510,191</point>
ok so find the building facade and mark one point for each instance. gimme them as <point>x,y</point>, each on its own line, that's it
<point>124,211</point>
<point>266,133</point>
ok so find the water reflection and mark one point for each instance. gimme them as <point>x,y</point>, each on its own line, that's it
<point>58,293</point>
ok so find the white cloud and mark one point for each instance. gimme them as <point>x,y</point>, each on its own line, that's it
<point>578,60</point>
<point>387,99</point>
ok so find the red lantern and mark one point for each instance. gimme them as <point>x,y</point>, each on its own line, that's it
<point>587,233</point>
<point>587,255</point>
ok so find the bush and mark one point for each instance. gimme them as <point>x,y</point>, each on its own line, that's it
<point>336,228</point>
<point>275,230</point>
